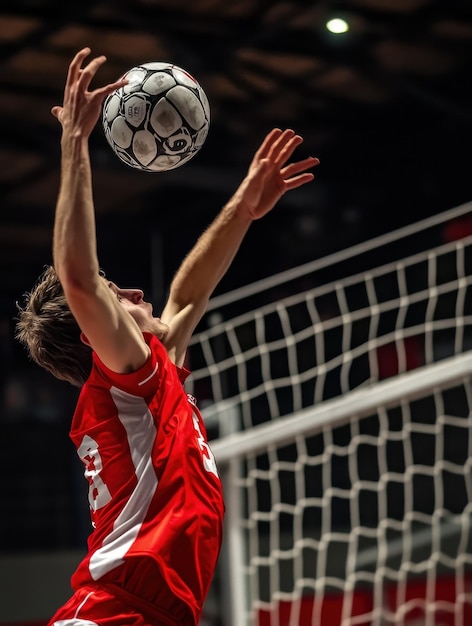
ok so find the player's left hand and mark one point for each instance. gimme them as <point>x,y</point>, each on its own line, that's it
<point>269,176</point>
<point>81,107</point>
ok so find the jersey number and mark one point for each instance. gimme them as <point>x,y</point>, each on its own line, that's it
<point>98,494</point>
<point>209,462</point>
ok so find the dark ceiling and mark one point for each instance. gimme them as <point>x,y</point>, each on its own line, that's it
<point>387,108</point>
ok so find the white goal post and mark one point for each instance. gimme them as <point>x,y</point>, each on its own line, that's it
<point>287,549</point>
<point>338,397</point>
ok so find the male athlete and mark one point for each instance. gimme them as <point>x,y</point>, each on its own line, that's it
<point>154,492</point>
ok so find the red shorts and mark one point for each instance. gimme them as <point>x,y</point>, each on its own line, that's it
<point>106,605</point>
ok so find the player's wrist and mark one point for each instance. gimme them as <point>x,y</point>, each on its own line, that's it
<point>74,144</point>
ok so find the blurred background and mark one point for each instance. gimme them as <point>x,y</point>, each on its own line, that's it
<point>386,105</point>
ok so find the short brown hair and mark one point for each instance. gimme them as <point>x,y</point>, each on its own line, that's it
<point>50,333</point>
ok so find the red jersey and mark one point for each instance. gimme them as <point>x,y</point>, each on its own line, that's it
<point>154,492</point>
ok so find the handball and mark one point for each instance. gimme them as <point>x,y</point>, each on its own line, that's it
<point>159,120</point>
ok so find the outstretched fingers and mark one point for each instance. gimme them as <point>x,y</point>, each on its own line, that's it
<point>102,92</point>
<point>300,166</point>
<point>265,148</point>
<point>278,146</point>
<point>284,148</point>
<point>80,103</point>
<point>298,181</point>
<point>88,72</point>
<point>295,174</point>
<point>84,75</point>
<point>76,65</point>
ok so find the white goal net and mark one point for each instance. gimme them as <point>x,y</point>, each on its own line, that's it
<point>339,400</point>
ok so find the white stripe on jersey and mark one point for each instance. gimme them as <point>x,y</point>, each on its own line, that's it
<point>143,382</point>
<point>136,418</point>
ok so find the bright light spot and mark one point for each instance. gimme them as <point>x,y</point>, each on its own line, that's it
<point>337,26</point>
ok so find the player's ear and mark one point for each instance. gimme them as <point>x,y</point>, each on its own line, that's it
<point>84,340</point>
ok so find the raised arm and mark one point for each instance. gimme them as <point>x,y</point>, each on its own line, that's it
<point>269,177</point>
<point>111,331</point>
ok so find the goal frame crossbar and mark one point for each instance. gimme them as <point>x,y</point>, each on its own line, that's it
<point>230,451</point>
<point>354,405</point>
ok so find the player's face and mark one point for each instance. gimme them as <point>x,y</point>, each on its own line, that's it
<point>141,311</point>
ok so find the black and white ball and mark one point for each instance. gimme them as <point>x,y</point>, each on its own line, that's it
<point>159,120</point>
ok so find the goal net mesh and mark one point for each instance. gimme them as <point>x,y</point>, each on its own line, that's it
<point>357,511</point>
